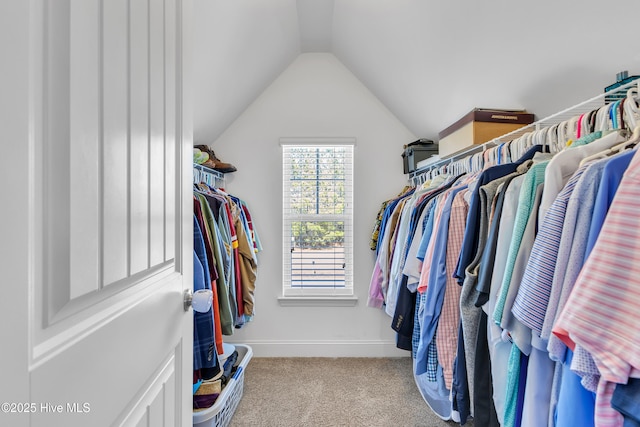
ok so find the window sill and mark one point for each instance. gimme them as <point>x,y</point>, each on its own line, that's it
<point>304,301</point>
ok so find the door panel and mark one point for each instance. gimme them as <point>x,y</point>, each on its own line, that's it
<point>151,409</point>
<point>115,141</point>
<point>113,368</point>
<point>170,127</point>
<point>156,133</point>
<point>84,160</point>
<point>139,144</point>
<point>108,222</point>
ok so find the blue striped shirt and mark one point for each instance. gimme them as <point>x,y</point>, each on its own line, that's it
<point>531,302</point>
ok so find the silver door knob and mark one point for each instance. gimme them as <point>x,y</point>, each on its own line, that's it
<point>199,300</point>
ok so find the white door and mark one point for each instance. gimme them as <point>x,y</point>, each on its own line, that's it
<point>95,213</point>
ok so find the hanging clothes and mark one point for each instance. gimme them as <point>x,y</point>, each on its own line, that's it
<point>519,239</point>
<point>225,261</point>
<point>205,354</point>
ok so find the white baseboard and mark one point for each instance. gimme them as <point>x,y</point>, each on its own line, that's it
<point>325,348</point>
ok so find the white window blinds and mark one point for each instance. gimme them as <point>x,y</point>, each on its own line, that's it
<point>317,219</point>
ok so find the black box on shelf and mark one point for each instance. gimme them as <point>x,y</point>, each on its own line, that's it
<point>417,151</point>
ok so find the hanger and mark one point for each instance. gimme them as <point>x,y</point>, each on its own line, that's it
<point>561,143</point>
<point>592,120</point>
<point>620,114</point>
<point>514,149</point>
<point>579,126</point>
<point>479,160</point>
<point>584,124</point>
<point>540,137</point>
<point>510,151</point>
<point>528,142</point>
<point>551,139</point>
<point>631,142</point>
<point>495,151</point>
<point>631,109</point>
<point>572,126</point>
<point>465,165</point>
<point>613,115</point>
<point>524,142</point>
<point>602,118</point>
<point>596,156</point>
<point>486,157</point>
<point>203,187</point>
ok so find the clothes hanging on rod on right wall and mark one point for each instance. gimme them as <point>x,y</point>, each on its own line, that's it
<point>506,283</point>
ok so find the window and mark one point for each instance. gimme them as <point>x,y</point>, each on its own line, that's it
<point>317,219</point>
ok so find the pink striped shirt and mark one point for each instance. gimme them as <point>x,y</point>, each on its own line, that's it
<point>447,332</point>
<point>426,265</point>
<point>602,313</point>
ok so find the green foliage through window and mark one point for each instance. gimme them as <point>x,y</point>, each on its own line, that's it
<point>317,216</point>
<point>317,180</point>
<point>317,234</point>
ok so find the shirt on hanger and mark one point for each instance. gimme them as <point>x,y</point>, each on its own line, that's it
<point>447,331</point>
<point>434,279</point>
<point>532,178</point>
<point>606,294</point>
<point>565,163</point>
<point>470,241</point>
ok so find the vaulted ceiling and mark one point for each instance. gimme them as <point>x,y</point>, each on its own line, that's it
<point>428,61</point>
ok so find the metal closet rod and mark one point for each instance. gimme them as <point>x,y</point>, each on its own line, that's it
<point>474,149</point>
<point>551,120</point>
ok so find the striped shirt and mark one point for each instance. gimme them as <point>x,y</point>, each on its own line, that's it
<point>531,302</point>
<point>573,244</point>
<point>447,332</point>
<point>434,277</point>
<point>602,313</point>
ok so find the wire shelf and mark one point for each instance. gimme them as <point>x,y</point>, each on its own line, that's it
<point>552,120</point>
<point>209,176</point>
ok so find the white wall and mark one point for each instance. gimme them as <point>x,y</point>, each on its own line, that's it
<point>316,96</point>
<point>241,47</point>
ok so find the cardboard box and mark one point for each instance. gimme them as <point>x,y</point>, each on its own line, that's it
<point>479,126</point>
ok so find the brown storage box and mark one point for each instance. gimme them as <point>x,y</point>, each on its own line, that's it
<point>479,126</point>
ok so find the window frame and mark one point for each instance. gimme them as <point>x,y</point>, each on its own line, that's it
<point>325,294</point>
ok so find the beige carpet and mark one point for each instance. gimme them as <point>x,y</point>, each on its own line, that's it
<point>354,392</point>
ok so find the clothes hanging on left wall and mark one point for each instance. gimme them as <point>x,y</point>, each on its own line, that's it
<point>226,245</point>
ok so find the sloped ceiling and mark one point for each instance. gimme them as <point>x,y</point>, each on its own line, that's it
<point>240,48</point>
<point>429,62</point>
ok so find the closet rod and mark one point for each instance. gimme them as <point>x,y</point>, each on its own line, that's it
<point>554,119</point>
<point>469,151</point>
